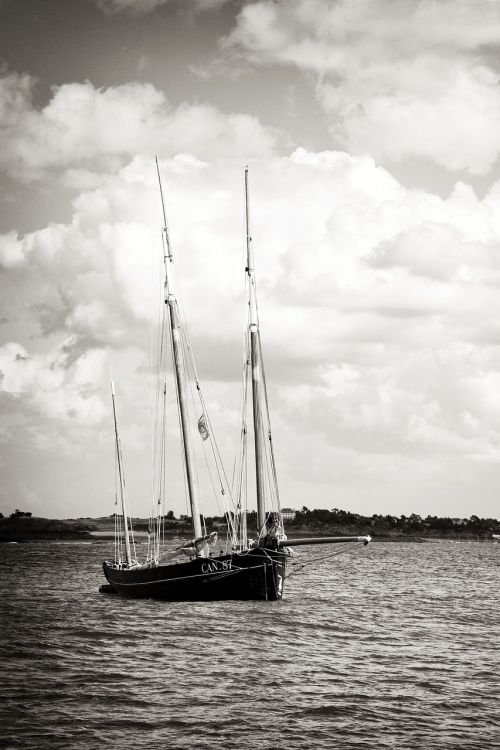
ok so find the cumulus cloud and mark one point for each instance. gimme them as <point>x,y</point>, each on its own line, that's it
<point>436,251</point>
<point>93,284</point>
<point>406,79</point>
<point>348,239</point>
<point>379,304</point>
<point>83,125</point>
<point>435,400</point>
<point>11,253</point>
<point>47,385</point>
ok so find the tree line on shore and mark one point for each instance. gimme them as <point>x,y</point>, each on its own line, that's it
<point>317,521</point>
<point>321,520</point>
<point>412,524</point>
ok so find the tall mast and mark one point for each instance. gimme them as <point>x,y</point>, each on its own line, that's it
<point>180,375</point>
<point>122,479</point>
<point>256,373</point>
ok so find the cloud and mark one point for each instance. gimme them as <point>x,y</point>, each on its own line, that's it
<point>135,7</point>
<point>406,114</point>
<point>379,309</point>
<point>348,244</point>
<point>93,284</point>
<point>73,129</point>
<point>139,7</point>
<point>435,403</point>
<point>397,80</point>
<point>436,251</point>
<point>11,253</point>
<point>49,387</point>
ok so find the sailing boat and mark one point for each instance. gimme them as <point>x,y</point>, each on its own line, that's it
<point>243,568</point>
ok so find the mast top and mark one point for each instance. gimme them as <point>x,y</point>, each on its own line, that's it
<point>165,224</point>
<point>254,320</point>
<point>247,226</point>
<point>167,256</point>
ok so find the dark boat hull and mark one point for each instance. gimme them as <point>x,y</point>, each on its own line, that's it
<point>257,574</point>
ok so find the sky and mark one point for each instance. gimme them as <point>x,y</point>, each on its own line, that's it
<point>371,131</point>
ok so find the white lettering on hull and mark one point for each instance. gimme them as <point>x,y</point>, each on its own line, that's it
<point>216,566</point>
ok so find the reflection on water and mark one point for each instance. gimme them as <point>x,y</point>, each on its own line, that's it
<point>392,645</point>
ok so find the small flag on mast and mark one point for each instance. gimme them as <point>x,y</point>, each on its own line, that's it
<point>202,427</point>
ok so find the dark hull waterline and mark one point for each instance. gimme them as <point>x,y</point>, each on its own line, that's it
<point>257,574</point>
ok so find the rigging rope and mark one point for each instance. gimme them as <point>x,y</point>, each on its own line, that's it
<point>219,466</point>
<point>345,548</point>
<point>158,472</point>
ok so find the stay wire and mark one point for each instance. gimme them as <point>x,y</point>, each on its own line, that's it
<point>215,448</point>
<point>345,548</point>
<point>219,466</point>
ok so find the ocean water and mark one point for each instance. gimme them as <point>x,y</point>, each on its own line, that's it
<point>385,646</point>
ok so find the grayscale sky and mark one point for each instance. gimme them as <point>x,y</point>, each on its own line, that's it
<point>372,131</point>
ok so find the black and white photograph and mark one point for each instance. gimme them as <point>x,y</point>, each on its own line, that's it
<point>250,374</point>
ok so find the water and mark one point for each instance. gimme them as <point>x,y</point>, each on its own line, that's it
<point>388,646</point>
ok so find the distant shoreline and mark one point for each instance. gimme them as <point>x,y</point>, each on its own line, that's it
<point>28,529</point>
